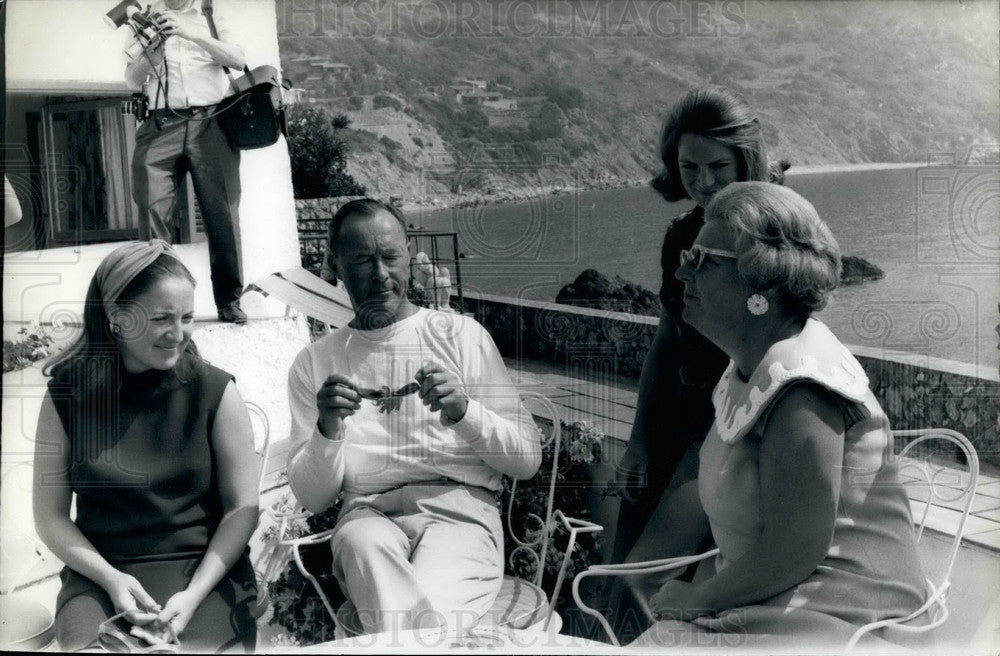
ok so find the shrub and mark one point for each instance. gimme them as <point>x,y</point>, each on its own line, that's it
<point>356,103</point>
<point>548,124</point>
<point>383,100</point>
<point>318,154</point>
<point>470,122</point>
<point>390,145</point>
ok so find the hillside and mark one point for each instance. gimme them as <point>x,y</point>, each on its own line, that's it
<point>578,89</point>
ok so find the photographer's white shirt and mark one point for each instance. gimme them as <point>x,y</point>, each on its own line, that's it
<point>193,78</point>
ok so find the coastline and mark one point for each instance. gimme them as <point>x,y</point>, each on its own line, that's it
<point>810,169</point>
<point>515,195</point>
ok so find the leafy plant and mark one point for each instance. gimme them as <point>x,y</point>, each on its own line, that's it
<point>318,154</point>
<point>31,346</point>
<point>296,606</point>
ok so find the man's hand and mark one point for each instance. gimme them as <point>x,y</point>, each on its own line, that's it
<point>442,390</point>
<point>172,25</point>
<point>336,399</point>
<point>144,44</point>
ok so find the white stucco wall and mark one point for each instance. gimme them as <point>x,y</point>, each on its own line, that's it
<point>64,47</point>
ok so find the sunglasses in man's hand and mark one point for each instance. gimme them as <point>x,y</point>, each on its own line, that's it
<point>386,399</point>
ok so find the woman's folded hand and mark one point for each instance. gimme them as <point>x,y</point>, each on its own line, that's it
<point>178,610</point>
<point>630,474</point>
<point>675,600</point>
<point>128,596</point>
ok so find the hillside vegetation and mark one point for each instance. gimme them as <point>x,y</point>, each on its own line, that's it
<point>837,82</point>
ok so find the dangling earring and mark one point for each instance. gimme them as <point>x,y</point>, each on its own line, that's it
<point>116,330</point>
<point>757,305</point>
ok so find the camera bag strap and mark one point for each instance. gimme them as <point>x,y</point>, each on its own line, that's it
<point>208,12</point>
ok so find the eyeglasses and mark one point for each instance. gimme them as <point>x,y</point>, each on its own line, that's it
<point>696,255</point>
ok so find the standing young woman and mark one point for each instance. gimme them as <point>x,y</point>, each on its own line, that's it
<point>157,447</point>
<point>710,138</point>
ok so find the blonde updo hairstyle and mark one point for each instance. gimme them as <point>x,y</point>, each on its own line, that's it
<point>782,243</point>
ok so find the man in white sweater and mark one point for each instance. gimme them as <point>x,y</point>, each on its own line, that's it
<point>411,417</point>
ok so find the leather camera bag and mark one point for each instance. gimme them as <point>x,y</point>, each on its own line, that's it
<point>252,115</point>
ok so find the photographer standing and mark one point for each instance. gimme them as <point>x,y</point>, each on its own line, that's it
<point>181,72</point>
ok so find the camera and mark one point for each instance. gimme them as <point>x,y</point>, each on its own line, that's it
<point>137,105</point>
<point>148,34</point>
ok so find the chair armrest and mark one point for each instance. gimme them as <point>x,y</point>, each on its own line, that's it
<point>936,599</point>
<point>270,560</point>
<point>574,526</point>
<point>626,569</point>
<point>307,540</point>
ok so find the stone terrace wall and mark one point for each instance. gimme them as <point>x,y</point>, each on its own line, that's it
<point>614,341</point>
<point>913,394</point>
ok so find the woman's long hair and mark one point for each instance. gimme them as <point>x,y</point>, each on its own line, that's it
<point>716,113</point>
<point>95,354</point>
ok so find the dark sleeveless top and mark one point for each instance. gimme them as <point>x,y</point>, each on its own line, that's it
<point>142,465</point>
<point>695,364</point>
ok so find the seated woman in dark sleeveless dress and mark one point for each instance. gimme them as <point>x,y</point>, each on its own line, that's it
<point>156,444</point>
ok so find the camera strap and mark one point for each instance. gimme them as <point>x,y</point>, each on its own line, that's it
<point>208,12</point>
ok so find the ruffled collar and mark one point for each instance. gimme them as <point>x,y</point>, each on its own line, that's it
<point>814,354</point>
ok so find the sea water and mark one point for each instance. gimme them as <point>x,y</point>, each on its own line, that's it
<point>934,231</point>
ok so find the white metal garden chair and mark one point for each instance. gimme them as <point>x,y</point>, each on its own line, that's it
<point>261,437</point>
<point>269,560</point>
<point>940,483</point>
<point>521,604</point>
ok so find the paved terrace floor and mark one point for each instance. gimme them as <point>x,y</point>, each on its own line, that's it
<point>608,405</point>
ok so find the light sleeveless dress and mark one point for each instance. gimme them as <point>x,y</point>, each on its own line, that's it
<point>871,570</point>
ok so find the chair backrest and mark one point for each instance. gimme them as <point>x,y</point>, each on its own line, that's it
<point>949,491</point>
<point>944,485</point>
<point>537,547</point>
<point>261,437</point>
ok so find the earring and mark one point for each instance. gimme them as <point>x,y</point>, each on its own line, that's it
<point>116,330</point>
<point>757,305</point>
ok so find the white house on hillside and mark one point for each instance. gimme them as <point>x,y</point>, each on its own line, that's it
<point>68,150</point>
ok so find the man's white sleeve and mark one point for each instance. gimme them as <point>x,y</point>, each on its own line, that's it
<point>315,463</point>
<point>496,424</point>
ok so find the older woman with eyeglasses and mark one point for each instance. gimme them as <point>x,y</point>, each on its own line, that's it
<point>796,475</point>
